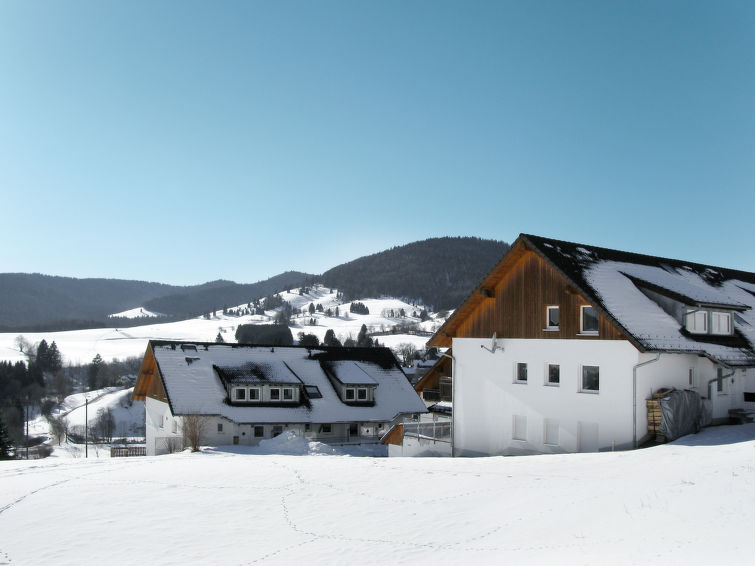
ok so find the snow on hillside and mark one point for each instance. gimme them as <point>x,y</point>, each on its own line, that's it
<point>138,312</point>
<point>688,502</point>
<point>80,346</point>
<point>128,416</point>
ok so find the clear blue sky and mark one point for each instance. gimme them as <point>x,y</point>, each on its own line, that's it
<point>182,142</point>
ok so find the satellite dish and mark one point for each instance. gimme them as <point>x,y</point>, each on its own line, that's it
<point>493,344</point>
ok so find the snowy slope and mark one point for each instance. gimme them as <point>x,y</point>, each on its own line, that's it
<point>689,502</point>
<point>80,346</point>
<point>138,312</point>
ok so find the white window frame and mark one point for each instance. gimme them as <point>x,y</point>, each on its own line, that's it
<point>288,391</point>
<point>353,392</point>
<point>549,440</point>
<point>253,394</point>
<point>220,428</point>
<point>517,379</point>
<point>548,325</point>
<point>582,388</point>
<point>694,319</point>
<point>548,381</point>
<point>519,428</point>
<point>363,391</point>
<point>236,392</point>
<point>582,321</point>
<point>258,427</point>
<point>715,323</point>
<point>278,390</point>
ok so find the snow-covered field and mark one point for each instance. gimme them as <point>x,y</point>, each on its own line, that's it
<point>80,346</point>
<point>690,502</point>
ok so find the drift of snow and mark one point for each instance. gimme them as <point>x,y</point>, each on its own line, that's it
<point>688,502</point>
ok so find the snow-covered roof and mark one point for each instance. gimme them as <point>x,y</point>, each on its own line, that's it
<point>193,381</point>
<point>614,280</point>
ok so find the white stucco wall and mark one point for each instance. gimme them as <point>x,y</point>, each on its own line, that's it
<point>489,404</point>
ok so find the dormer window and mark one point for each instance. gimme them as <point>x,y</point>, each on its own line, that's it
<point>362,394</point>
<point>588,320</point>
<point>349,393</point>
<point>700,321</point>
<point>240,394</point>
<point>275,394</point>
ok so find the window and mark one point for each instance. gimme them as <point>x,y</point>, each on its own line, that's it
<point>521,373</point>
<point>554,374</point>
<point>254,394</point>
<point>719,380</point>
<point>240,394</point>
<point>313,392</point>
<point>551,318</point>
<point>720,323</point>
<point>697,321</point>
<point>174,427</point>
<point>325,428</point>
<point>259,431</point>
<point>550,432</point>
<point>288,394</point>
<point>590,378</point>
<point>277,430</point>
<point>362,394</point>
<point>275,394</point>
<point>220,427</point>
<point>588,320</point>
<point>749,397</point>
<point>519,428</point>
<point>353,429</point>
<point>307,427</point>
<point>691,377</point>
<point>349,394</point>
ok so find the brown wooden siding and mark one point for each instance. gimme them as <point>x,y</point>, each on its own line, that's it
<point>518,306</point>
<point>149,383</point>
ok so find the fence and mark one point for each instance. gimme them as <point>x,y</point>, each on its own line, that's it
<point>436,431</point>
<point>125,451</point>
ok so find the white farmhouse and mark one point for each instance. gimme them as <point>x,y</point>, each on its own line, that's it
<point>561,344</point>
<point>245,394</point>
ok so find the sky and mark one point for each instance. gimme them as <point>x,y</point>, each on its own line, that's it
<point>183,141</point>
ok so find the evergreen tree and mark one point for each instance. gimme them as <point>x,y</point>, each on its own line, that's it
<point>93,372</point>
<point>308,340</point>
<point>219,338</point>
<point>330,338</point>
<point>363,339</point>
<point>6,448</point>
<point>311,308</point>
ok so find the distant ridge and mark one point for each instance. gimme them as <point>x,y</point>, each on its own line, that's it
<point>438,271</point>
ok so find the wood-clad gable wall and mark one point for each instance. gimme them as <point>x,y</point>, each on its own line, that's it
<point>517,308</point>
<point>149,382</point>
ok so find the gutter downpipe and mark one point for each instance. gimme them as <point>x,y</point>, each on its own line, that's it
<point>453,397</point>
<point>634,395</point>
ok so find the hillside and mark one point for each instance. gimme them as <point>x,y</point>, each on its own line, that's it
<point>34,302</point>
<point>29,300</point>
<point>440,272</point>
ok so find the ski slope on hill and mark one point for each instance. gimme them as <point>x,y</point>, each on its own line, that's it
<point>80,346</point>
<point>689,502</point>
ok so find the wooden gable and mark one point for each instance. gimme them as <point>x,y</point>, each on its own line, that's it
<point>150,382</point>
<point>431,380</point>
<point>511,301</point>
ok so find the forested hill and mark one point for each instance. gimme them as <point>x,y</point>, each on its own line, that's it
<point>439,271</point>
<point>32,299</point>
<point>44,302</point>
<point>220,294</point>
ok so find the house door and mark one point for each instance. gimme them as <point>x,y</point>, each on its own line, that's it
<point>587,440</point>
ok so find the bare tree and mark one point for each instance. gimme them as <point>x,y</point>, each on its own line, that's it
<point>59,427</point>
<point>172,444</point>
<point>193,428</point>
<point>407,352</point>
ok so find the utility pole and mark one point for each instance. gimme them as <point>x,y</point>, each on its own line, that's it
<point>27,429</point>
<point>86,428</point>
